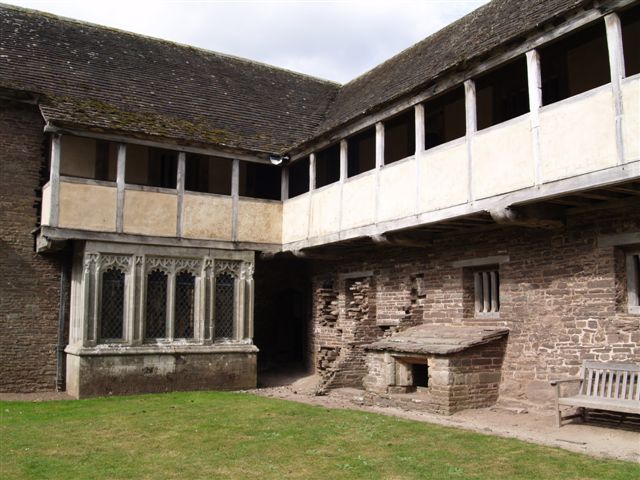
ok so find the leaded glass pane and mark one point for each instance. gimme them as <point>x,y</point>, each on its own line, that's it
<point>156,311</point>
<point>185,300</point>
<point>112,304</point>
<point>225,285</point>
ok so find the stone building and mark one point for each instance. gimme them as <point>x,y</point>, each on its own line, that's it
<point>462,221</point>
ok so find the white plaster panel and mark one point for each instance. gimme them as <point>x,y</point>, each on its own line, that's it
<point>443,177</point>
<point>87,207</point>
<point>295,221</point>
<point>578,135</point>
<point>631,118</point>
<point>502,159</point>
<point>46,205</point>
<point>150,213</point>
<point>207,217</point>
<point>259,222</point>
<point>325,211</point>
<point>359,202</point>
<point>397,190</point>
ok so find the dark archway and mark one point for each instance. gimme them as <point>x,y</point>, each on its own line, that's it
<point>281,316</point>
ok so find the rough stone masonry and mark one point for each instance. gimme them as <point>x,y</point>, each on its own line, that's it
<point>562,297</point>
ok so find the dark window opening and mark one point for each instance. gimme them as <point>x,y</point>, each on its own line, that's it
<point>630,20</point>
<point>400,137</point>
<point>225,286</point>
<point>185,302</point>
<point>574,64</point>
<point>299,177</point>
<point>106,161</point>
<point>163,168</point>
<point>444,118</point>
<point>152,167</point>
<point>259,180</point>
<point>156,305</point>
<point>420,374</point>
<point>83,157</point>
<point>207,174</point>
<point>361,150</point>
<point>502,94</point>
<point>328,166</point>
<point>487,290</point>
<point>112,305</point>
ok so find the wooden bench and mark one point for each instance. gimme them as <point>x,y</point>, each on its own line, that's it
<point>603,386</point>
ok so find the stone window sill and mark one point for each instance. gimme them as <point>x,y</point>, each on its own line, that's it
<point>159,349</point>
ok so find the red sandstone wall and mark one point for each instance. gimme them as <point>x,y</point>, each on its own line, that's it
<point>29,288</point>
<point>559,295</point>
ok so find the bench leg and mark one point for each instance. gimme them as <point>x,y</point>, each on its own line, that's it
<point>583,414</point>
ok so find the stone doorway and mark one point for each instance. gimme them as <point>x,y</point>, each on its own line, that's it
<point>281,317</point>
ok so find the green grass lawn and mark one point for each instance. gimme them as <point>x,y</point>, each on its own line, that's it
<point>226,435</point>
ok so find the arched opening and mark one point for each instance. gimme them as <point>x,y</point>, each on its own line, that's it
<point>282,315</point>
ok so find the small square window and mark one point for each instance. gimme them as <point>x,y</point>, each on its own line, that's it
<point>487,291</point>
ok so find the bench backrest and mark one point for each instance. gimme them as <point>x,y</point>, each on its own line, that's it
<point>616,381</point>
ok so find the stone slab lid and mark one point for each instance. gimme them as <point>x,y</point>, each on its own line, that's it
<point>437,339</point>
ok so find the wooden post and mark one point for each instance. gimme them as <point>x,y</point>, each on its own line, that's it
<point>344,172</point>
<point>343,160</point>
<point>379,144</point>
<point>180,191</point>
<point>379,164</point>
<point>312,172</point>
<point>534,81</point>
<point>284,183</point>
<point>120,186</point>
<point>419,124</point>
<point>54,178</point>
<point>312,160</point>
<point>420,147</point>
<point>616,64</point>
<point>235,197</point>
<point>472,126</point>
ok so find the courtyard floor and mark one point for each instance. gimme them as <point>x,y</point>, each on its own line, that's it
<point>600,436</point>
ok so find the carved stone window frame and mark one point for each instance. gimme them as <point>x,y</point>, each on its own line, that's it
<point>173,266</point>
<point>242,273</point>
<point>88,275</point>
<point>92,258</point>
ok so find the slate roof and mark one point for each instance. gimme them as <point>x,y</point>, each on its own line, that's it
<point>118,81</point>
<point>475,35</point>
<point>110,80</point>
<point>437,339</point>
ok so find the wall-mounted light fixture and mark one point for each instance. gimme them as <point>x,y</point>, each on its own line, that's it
<point>278,159</point>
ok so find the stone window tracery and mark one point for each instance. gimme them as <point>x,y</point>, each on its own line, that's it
<point>156,305</point>
<point>184,305</point>
<point>225,299</point>
<point>112,304</point>
<point>149,297</point>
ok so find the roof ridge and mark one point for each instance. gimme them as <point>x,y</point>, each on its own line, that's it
<point>168,42</point>
<point>418,43</point>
